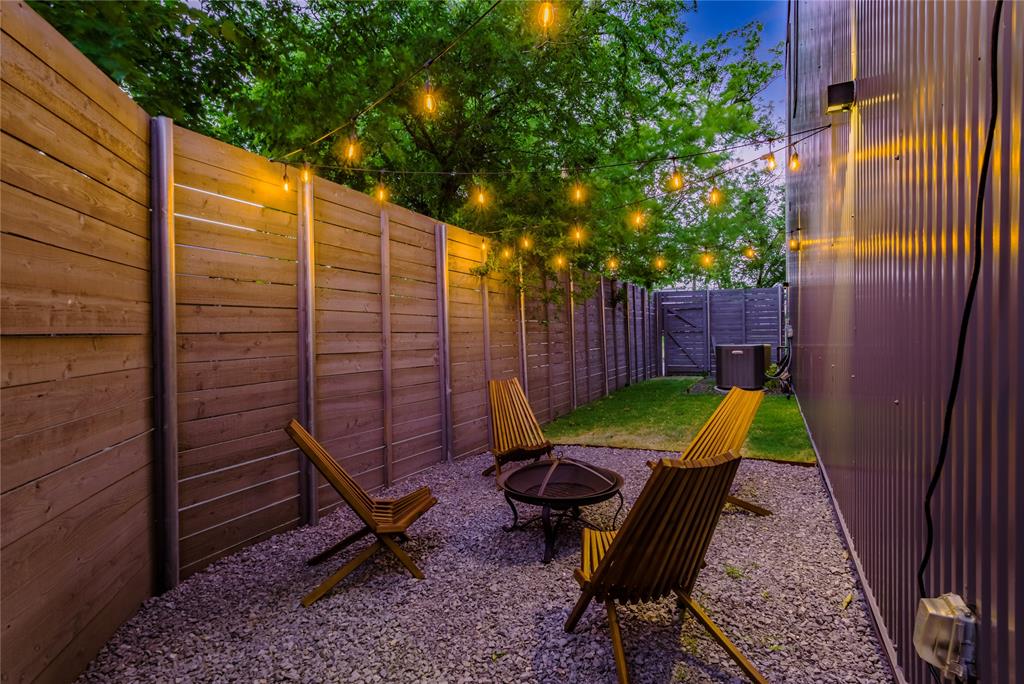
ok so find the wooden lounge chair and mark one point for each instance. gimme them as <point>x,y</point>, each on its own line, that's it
<point>659,550</point>
<point>386,519</point>
<point>726,430</point>
<point>516,433</point>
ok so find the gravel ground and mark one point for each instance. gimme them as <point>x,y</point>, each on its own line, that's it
<point>489,611</point>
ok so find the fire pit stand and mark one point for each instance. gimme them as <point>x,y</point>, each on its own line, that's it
<point>563,485</point>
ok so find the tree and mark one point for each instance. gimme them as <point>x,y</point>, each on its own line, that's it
<point>608,83</point>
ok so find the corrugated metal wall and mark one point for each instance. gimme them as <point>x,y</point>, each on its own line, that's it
<point>883,208</point>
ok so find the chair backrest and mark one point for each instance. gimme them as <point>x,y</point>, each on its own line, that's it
<point>354,495</point>
<point>727,428</point>
<point>513,425</point>
<point>661,545</point>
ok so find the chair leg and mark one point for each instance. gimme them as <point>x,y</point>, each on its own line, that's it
<point>617,650</point>
<point>577,611</point>
<point>723,641</point>
<point>324,555</point>
<point>402,556</point>
<point>341,574</point>
<point>746,505</point>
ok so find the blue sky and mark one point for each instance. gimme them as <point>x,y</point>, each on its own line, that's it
<point>717,16</point>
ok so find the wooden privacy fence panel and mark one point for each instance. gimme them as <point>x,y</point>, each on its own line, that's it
<point>369,321</point>
<point>694,321</point>
<point>76,390</point>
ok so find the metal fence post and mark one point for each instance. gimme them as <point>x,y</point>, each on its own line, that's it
<point>165,359</point>
<point>305,305</point>
<point>444,360</point>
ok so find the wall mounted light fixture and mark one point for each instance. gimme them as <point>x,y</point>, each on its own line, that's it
<point>841,97</point>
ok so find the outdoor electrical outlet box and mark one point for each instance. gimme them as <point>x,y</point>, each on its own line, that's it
<point>945,635</point>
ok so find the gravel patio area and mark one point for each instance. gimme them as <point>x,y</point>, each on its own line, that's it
<point>489,611</point>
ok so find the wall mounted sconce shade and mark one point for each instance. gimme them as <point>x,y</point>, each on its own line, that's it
<point>841,97</point>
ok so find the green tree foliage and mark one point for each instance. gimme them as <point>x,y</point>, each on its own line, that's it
<point>610,81</point>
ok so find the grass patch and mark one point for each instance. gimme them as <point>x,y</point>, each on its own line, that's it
<point>659,414</point>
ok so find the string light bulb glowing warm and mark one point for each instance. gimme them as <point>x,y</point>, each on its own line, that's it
<point>675,181</point>
<point>749,252</point>
<point>351,149</point>
<point>659,262</point>
<point>577,233</point>
<point>506,253</point>
<point>286,184</point>
<point>769,162</point>
<point>305,174</point>
<point>638,219</point>
<point>546,15</point>
<point>794,162</point>
<point>480,197</point>
<point>429,97</point>
<point>525,242</point>
<point>613,264</point>
<point>578,193</point>
<point>559,261</point>
<point>381,192</point>
<point>706,259</point>
<point>715,196</point>
<point>794,245</point>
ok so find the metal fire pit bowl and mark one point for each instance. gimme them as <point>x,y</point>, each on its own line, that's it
<point>562,484</point>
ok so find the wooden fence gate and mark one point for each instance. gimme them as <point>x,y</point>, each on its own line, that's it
<point>694,321</point>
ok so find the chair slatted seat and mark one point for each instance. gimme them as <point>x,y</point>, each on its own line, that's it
<point>726,430</point>
<point>386,519</point>
<point>660,548</point>
<point>514,429</point>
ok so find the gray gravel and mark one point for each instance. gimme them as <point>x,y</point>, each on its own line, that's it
<point>489,611</point>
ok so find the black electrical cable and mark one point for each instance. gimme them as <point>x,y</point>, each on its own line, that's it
<point>954,385</point>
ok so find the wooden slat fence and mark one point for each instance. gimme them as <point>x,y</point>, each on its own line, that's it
<point>403,334</point>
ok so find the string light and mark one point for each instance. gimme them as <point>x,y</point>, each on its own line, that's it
<point>769,162</point>
<point>749,252</point>
<point>483,247</point>
<point>525,242</point>
<point>429,97</point>
<point>577,233</point>
<point>794,245</point>
<point>675,181</point>
<point>480,197</point>
<point>578,193</point>
<point>559,261</point>
<point>706,259</point>
<point>351,149</point>
<point>659,262</point>
<point>305,173</point>
<point>286,184</point>
<point>794,162</point>
<point>506,253</point>
<point>613,264</point>
<point>715,196</point>
<point>638,219</point>
<point>546,15</point>
<point>381,192</point>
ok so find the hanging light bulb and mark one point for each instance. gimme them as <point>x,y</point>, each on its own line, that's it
<point>613,264</point>
<point>305,173</point>
<point>794,245</point>
<point>769,162</point>
<point>480,197</point>
<point>578,193</point>
<point>794,162</point>
<point>749,252</point>
<point>525,242</point>
<point>577,233</point>
<point>429,97</point>
<point>351,149</point>
<point>675,181</point>
<point>483,247</point>
<point>637,219</point>
<point>659,262</point>
<point>559,261</point>
<point>286,184</point>
<point>381,192</point>
<point>506,253</point>
<point>715,196</point>
<point>546,15</point>
<point>706,259</point>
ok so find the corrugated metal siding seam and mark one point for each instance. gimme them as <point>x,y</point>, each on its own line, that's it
<point>883,207</point>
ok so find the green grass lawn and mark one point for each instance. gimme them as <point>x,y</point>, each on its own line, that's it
<point>659,414</point>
